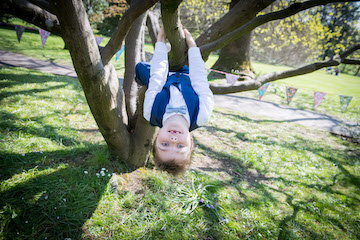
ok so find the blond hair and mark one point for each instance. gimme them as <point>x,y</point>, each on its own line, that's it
<point>174,166</point>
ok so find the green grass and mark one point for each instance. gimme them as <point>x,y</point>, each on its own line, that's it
<point>251,178</point>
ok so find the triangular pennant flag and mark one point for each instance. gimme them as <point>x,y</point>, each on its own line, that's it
<point>344,102</point>
<point>231,78</point>
<point>44,36</point>
<point>148,56</point>
<point>262,90</point>
<point>119,52</point>
<point>318,97</point>
<point>98,40</point>
<point>19,31</point>
<point>290,93</point>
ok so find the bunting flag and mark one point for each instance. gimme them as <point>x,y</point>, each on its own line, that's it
<point>344,102</point>
<point>262,90</point>
<point>318,97</point>
<point>98,40</point>
<point>148,56</point>
<point>119,52</point>
<point>231,78</point>
<point>44,36</point>
<point>19,31</point>
<point>290,93</point>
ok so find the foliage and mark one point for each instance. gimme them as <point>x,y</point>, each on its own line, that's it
<point>268,179</point>
<point>341,21</point>
<point>111,16</point>
<point>298,34</point>
<point>94,9</point>
<point>198,16</point>
<point>307,35</point>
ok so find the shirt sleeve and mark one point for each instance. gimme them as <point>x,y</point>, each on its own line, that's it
<point>200,84</point>
<point>158,74</point>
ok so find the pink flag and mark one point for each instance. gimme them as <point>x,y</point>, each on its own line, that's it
<point>98,40</point>
<point>231,78</point>
<point>19,31</point>
<point>290,93</point>
<point>263,89</point>
<point>318,97</point>
<point>44,36</point>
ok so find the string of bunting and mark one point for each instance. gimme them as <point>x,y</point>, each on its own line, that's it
<point>290,91</point>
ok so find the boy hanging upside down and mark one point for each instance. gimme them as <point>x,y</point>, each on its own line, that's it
<point>177,102</point>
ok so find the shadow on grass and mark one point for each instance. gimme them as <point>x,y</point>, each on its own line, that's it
<point>241,171</point>
<point>49,195</point>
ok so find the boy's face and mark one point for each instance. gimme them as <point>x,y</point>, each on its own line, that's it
<point>173,142</point>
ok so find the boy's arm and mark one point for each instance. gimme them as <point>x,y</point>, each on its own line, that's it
<point>199,82</point>
<point>158,76</point>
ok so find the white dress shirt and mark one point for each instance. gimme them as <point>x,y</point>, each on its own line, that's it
<point>197,73</point>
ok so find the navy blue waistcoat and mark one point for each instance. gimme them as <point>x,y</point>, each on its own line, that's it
<point>180,80</point>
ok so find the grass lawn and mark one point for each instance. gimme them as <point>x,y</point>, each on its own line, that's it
<point>250,178</point>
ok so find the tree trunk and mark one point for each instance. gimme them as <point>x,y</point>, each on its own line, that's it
<point>235,56</point>
<point>103,90</point>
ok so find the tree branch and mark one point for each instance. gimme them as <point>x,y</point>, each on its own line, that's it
<point>33,14</point>
<point>254,84</point>
<point>175,35</point>
<point>351,61</point>
<point>237,16</point>
<point>43,4</point>
<point>137,8</point>
<point>262,19</point>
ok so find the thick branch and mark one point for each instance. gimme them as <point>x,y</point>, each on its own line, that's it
<point>32,14</point>
<point>136,9</point>
<point>174,33</point>
<point>254,84</point>
<point>262,19</point>
<point>351,61</point>
<point>43,4</point>
<point>236,17</point>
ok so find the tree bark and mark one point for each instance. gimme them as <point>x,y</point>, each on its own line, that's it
<point>102,88</point>
<point>134,53</point>
<point>235,56</point>
<point>152,23</point>
<point>32,13</point>
<point>174,33</point>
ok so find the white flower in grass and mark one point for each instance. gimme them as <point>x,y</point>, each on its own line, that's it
<point>86,172</point>
<point>109,175</point>
<point>26,221</point>
<point>64,199</point>
<point>98,174</point>
<point>58,217</point>
<point>103,169</point>
<point>102,173</point>
<point>23,154</point>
